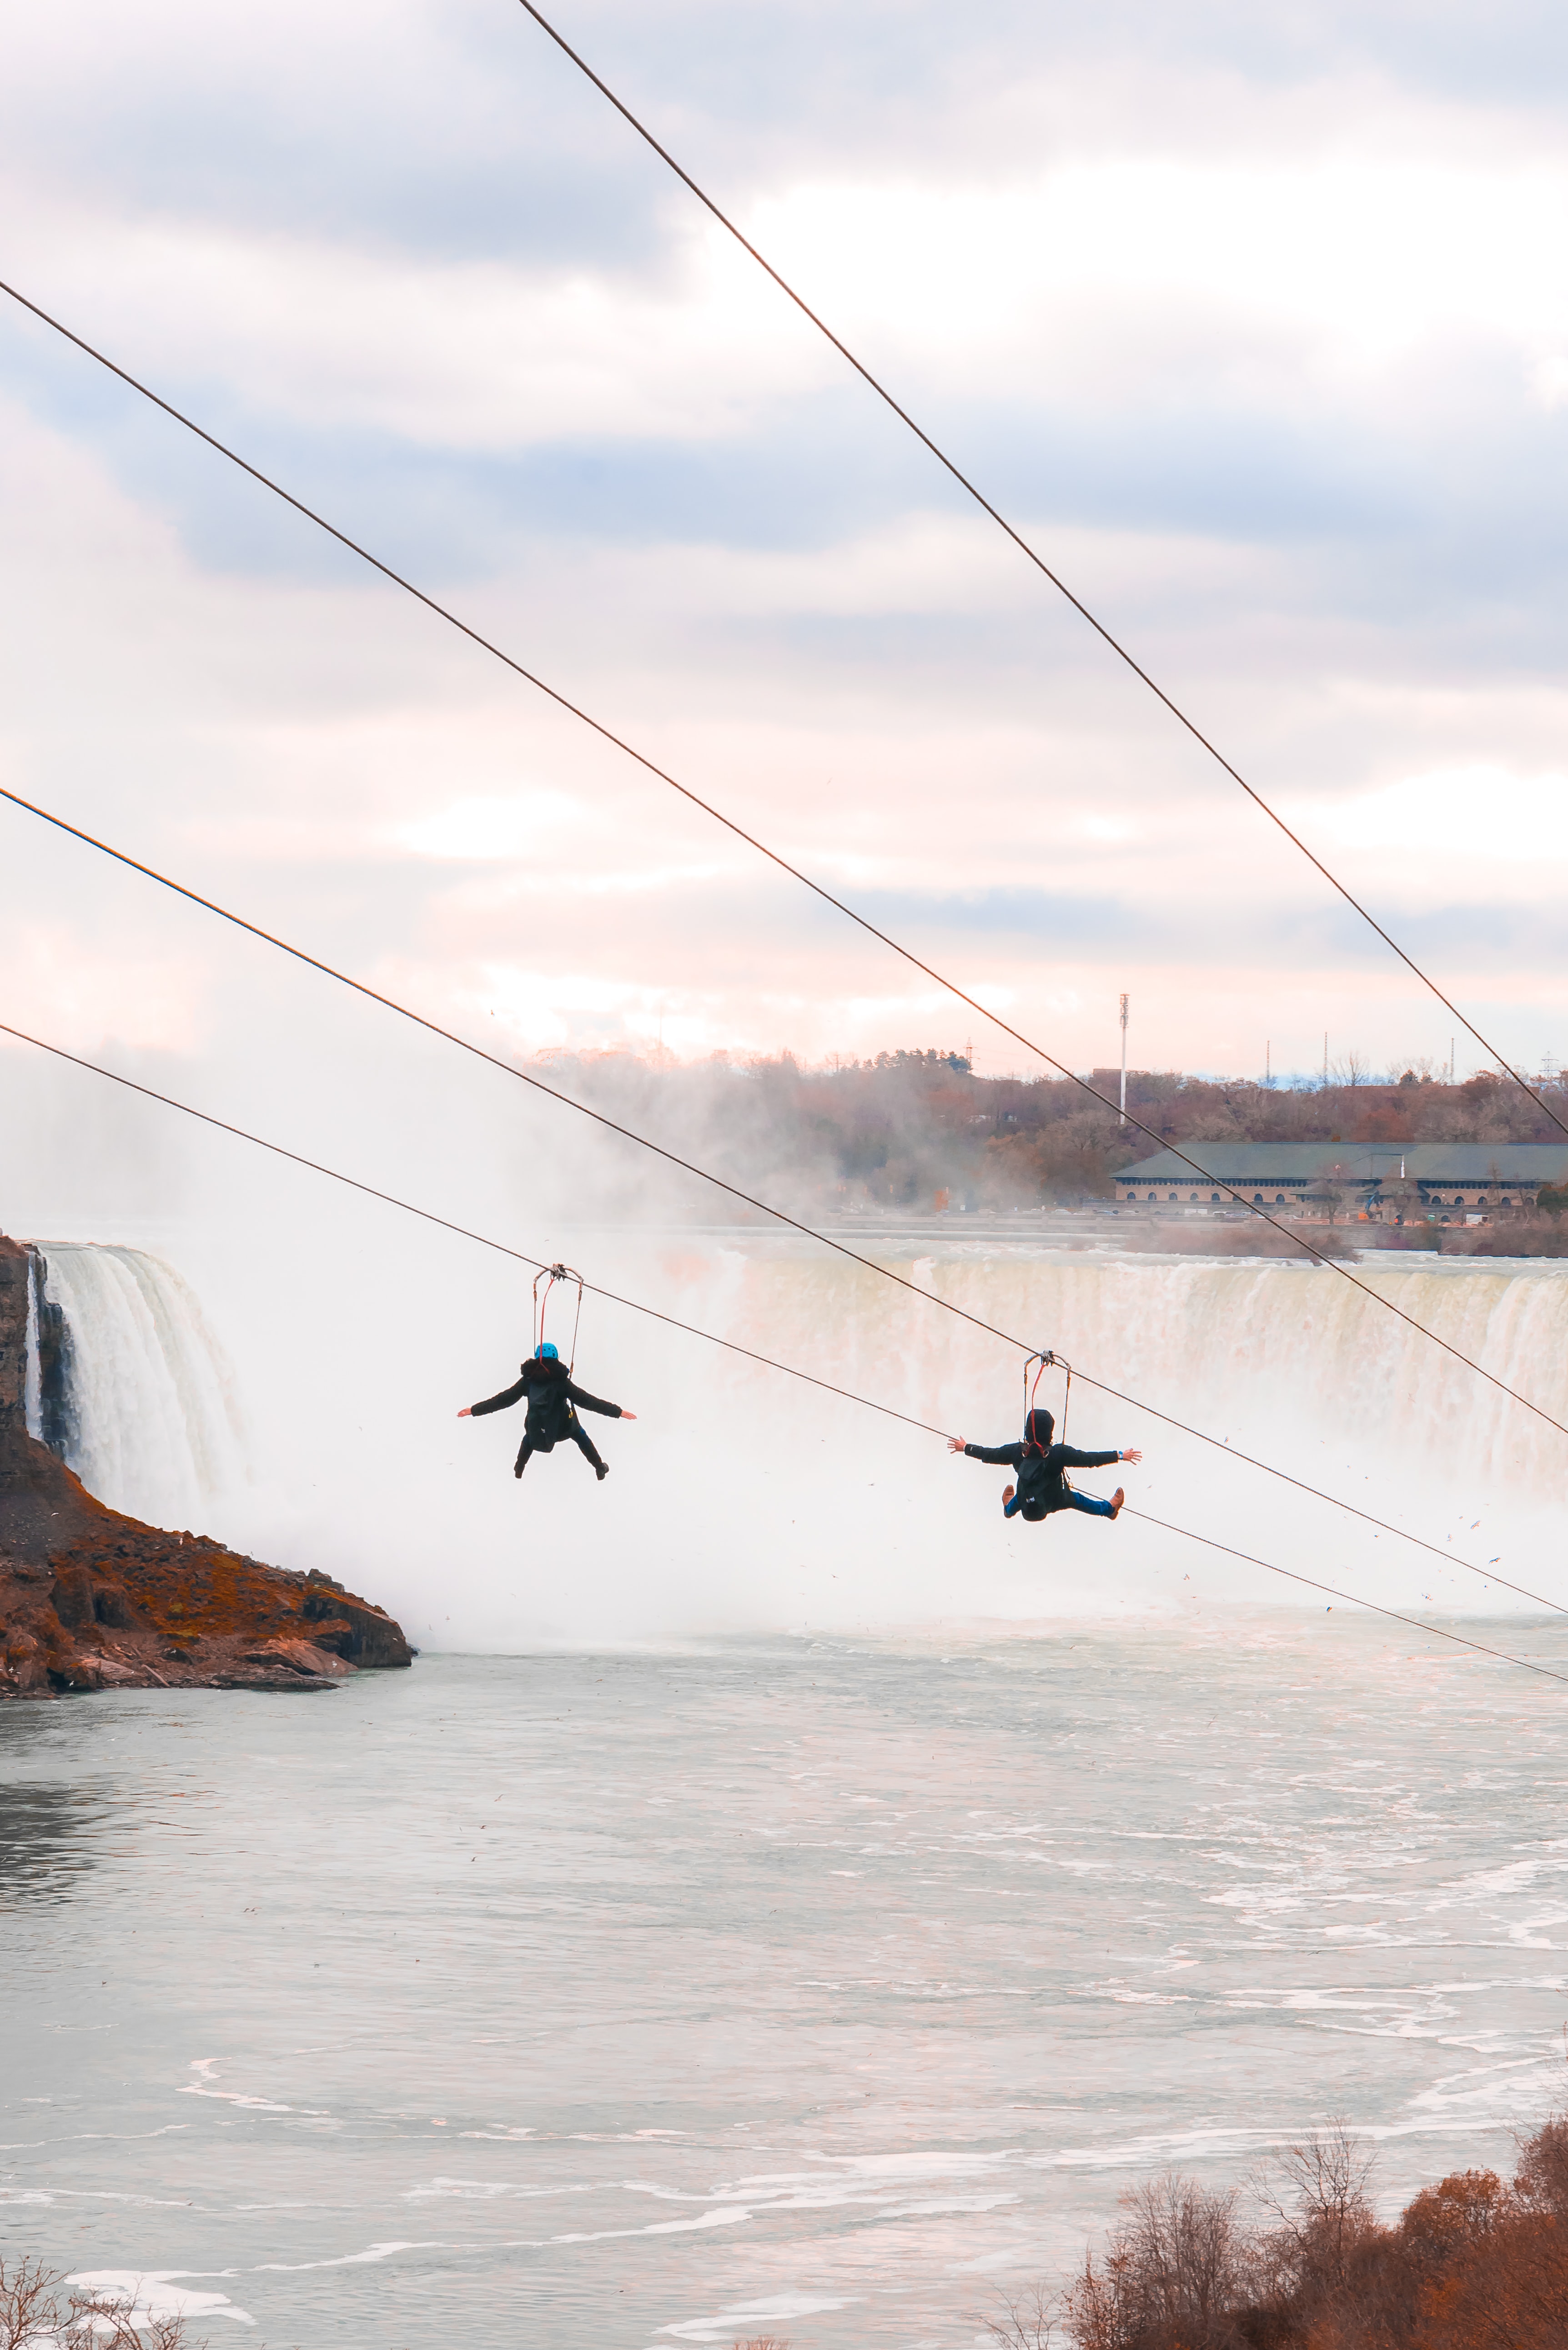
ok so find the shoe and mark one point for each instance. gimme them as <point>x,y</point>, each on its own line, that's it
<point>1007,1494</point>
<point>1117,1498</point>
<point>602,1471</point>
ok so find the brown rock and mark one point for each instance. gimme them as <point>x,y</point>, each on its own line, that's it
<point>300,1657</point>
<point>185,1610</point>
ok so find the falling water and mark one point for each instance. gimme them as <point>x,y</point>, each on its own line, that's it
<point>134,1391</point>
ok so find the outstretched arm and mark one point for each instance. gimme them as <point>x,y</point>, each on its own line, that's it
<point>999,1456</point>
<point>586,1402</point>
<point>501,1402</point>
<point>1074,1460</point>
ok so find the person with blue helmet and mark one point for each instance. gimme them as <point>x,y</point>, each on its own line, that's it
<point>553,1403</point>
<point>1041,1487</point>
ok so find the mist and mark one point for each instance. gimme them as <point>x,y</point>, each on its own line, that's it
<point>741,1500</point>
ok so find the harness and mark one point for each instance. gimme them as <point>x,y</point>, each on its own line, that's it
<point>1045,1361</point>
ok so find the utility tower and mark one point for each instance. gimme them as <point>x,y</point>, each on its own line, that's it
<point>1124,1092</point>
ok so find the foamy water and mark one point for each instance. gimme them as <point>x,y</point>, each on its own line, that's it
<point>154,1423</point>
<point>811,1987</point>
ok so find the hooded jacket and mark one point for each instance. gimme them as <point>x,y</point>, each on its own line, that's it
<point>1039,1464</point>
<point>550,1394</point>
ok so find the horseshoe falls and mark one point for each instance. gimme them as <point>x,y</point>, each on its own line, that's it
<point>744,1499</point>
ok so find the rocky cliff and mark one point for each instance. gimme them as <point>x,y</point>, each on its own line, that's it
<point>89,1599</point>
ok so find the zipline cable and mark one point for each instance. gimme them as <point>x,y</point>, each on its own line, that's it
<point>1234,1453</point>
<point>509,1068</point>
<point>1039,562</point>
<point>481,1239</point>
<point>463,1232</point>
<point>907,954</point>
<point>618,742</point>
<point>1414,1621</point>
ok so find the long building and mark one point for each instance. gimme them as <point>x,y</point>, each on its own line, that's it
<point>1305,1179</point>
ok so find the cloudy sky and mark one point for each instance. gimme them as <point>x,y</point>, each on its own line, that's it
<point>1256,321</point>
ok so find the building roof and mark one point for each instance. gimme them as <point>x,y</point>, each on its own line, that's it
<point>1356,1162</point>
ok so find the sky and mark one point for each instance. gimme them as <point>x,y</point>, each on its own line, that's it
<point>1255,323</point>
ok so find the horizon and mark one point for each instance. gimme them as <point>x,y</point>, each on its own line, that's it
<point>1217,316</point>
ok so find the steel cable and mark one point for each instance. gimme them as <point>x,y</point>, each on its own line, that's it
<point>981,500</point>
<point>907,954</point>
<point>927,1427</point>
<point>1414,1621</point>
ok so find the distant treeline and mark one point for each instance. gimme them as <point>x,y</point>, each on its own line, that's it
<point>902,1130</point>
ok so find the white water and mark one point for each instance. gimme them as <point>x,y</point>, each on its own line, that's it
<point>32,1396</point>
<point>157,1429</point>
<point>743,1501</point>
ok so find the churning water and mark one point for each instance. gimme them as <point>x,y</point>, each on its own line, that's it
<point>812,1989</point>
<point>832,1961</point>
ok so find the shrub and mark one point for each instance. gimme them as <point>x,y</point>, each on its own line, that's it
<point>1472,2263</point>
<point>34,2317</point>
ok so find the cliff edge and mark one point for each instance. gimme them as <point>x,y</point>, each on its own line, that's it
<point>89,1599</point>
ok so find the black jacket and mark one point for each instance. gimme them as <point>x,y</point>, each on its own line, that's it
<point>1040,1472</point>
<point>550,1394</point>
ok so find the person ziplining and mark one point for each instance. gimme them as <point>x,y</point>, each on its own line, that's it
<point>554,1401</point>
<point>1041,1487</point>
<point>546,1385</point>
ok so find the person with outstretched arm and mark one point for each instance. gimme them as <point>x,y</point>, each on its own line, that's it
<point>1041,1487</point>
<point>553,1405</point>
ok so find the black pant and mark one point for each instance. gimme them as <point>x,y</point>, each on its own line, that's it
<point>580,1438</point>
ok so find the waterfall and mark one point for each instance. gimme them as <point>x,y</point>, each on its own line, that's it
<point>1282,1361</point>
<point>128,1385</point>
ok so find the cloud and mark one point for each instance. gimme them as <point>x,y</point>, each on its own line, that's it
<point>1258,337</point>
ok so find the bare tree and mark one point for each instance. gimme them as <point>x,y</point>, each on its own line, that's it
<point>1026,2321</point>
<point>1402,1198</point>
<point>1354,1070</point>
<point>32,2316</point>
<point>1317,2192</point>
<point>1332,1199</point>
<point>1178,2268</point>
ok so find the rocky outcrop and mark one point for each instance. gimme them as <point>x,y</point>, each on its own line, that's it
<point>90,1599</point>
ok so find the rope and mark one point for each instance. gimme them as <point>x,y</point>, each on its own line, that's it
<point>557,1272</point>
<point>1349,1596</point>
<point>1045,1361</point>
<point>577,1326</point>
<point>731,1345</point>
<point>1296,1239</point>
<point>1039,562</point>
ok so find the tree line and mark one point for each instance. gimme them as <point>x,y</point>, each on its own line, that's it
<point>1475,2263</point>
<point>918,1129</point>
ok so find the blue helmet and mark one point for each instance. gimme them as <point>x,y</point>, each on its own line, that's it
<point>547,1353</point>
